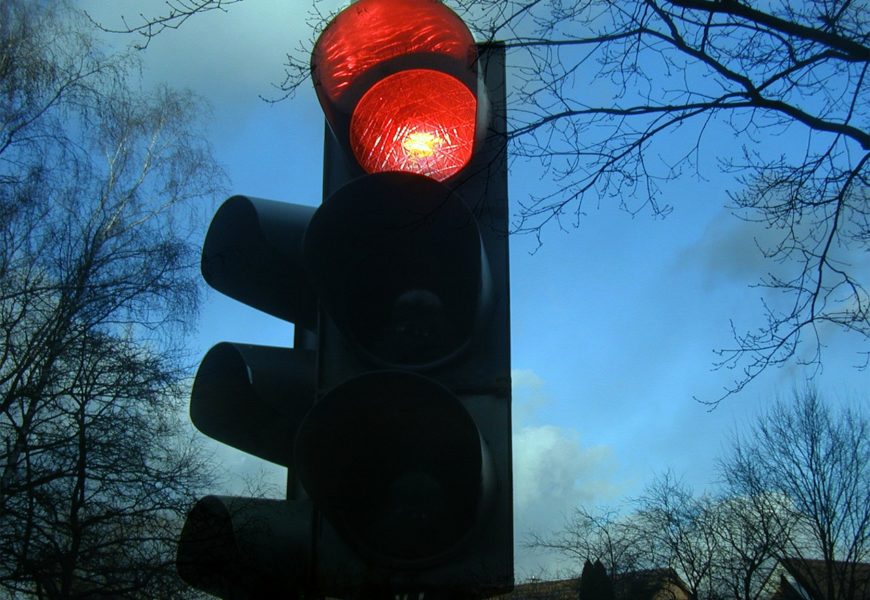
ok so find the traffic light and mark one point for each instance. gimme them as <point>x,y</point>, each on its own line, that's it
<point>392,411</point>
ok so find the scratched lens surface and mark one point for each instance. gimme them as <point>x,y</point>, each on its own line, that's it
<point>417,121</point>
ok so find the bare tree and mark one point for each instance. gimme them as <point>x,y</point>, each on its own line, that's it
<point>616,99</point>
<point>600,535</point>
<point>667,527</point>
<point>796,487</point>
<point>608,89</point>
<point>95,506</point>
<point>750,534</point>
<point>172,16</point>
<point>98,282</point>
<point>722,547</point>
<point>680,529</point>
<point>818,459</point>
<point>595,583</point>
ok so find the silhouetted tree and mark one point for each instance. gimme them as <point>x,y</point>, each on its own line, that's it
<point>594,582</point>
<point>795,487</point>
<point>96,181</point>
<point>604,586</point>
<point>586,580</point>
<point>601,535</point>
<point>750,533</point>
<point>681,530</point>
<point>813,461</point>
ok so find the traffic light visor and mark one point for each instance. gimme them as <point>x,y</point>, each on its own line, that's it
<point>249,397</point>
<point>369,33</point>
<point>232,546</point>
<point>252,253</point>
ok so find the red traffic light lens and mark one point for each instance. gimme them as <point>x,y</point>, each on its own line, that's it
<point>417,121</point>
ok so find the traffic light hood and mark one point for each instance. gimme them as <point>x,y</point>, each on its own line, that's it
<point>363,41</point>
<point>236,547</point>
<point>252,253</point>
<point>239,397</point>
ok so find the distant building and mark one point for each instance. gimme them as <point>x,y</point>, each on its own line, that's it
<point>794,579</point>
<point>807,580</point>
<point>563,589</point>
<point>652,584</point>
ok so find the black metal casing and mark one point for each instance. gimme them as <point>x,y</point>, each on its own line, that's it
<point>477,374</point>
<point>393,411</point>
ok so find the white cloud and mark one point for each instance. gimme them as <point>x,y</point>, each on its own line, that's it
<point>552,469</point>
<point>528,392</point>
<point>553,474</point>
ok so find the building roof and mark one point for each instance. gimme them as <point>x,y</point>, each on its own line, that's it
<point>562,589</point>
<point>634,585</point>
<point>643,585</point>
<point>812,574</point>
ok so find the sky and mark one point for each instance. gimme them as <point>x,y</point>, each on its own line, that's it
<point>613,323</point>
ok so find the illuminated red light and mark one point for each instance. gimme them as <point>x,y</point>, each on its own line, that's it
<point>397,81</point>
<point>418,121</point>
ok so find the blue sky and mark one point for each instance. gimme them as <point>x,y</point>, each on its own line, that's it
<point>613,322</point>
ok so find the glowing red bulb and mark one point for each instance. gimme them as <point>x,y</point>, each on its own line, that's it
<point>419,121</point>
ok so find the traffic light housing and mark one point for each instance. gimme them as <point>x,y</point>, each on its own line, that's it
<point>392,411</point>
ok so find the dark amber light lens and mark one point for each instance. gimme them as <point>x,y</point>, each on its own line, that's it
<point>417,121</point>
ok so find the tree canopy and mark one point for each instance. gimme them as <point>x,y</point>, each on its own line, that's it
<point>98,183</point>
<point>795,489</point>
